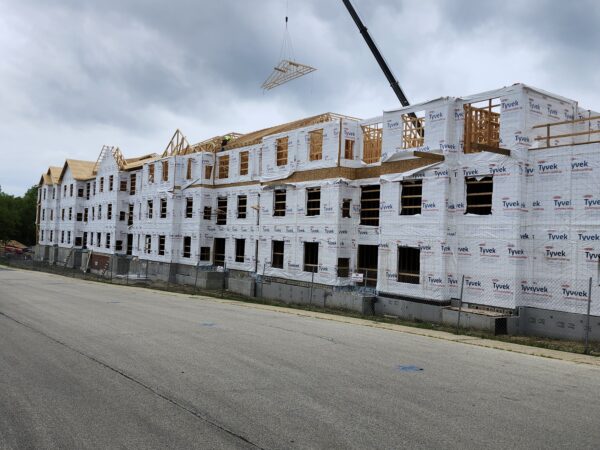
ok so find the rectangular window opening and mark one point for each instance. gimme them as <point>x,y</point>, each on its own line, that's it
<point>372,137</point>
<point>150,173</point>
<point>187,246</point>
<point>343,267</point>
<point>219,253</point>
<point>208,172</point>
<point>163,208</point>
<point>367,264</point>
<point>161,244</point>
<point>165,170</point>
<point>482,126</point>
<point>240,250</point>
<point>207,213</point>
<point>244,156</point>
<point>369,205</point>
<point>241,207</point>
<point>346,207</point>
<point>150,208</point>
<point>282,151</point>
<point>277,253</point>
<point>222,211</point>
<point>188,172</point>
<point>132,181</point>
<point>189,207</point>
<point>413,130</point>
<point>313,201</point>
<point>315,152</point>
<point>479,195</point>
<point>279,200</point>
<point>311,257</point>
<point>411,197</point>
<point>223,166</point>
<point>348,149</point>
<point>204,253</point>
<point>409,265</point>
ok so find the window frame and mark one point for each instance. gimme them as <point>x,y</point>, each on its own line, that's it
<point>281,151</point>
<point>486,207</point>
<point>187,247</point>
<point>313,210</point>
<point>244,162</point>
<point>406,273</point>
<point>240,250</point>
<point>315,150</point>
<point>369,213</point>
<point>310,266</point>
<point>411,197</point>
<point>277,257</point>
<point>242,206</point>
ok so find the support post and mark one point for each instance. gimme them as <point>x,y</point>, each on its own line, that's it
<point>312,281</point>
<point>196,278</point>
<point>224,275</point>
<point>586,350</point>
<point>462,285</point>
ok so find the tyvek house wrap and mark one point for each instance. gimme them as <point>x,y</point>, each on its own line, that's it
<point>538,247</point>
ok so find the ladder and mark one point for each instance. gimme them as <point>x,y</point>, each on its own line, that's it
<point>66,261</point>
<point>87,263</point>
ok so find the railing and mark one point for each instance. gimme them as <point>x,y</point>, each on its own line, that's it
<point>570,138</point>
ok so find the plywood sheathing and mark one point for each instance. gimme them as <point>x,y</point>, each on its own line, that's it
<point>81,170</point>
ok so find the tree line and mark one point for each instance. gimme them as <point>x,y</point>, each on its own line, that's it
<point>17,217</point>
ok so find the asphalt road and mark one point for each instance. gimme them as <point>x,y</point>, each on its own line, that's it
<point>88,365</point>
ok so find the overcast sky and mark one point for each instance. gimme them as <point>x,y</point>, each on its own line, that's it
<point>77,74</point>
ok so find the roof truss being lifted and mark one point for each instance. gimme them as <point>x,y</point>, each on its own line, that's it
<point>286,71</point>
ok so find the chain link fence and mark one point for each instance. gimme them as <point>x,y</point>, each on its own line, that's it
<point>579,297</point>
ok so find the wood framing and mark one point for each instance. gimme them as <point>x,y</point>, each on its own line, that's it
<point>348,149</point>
<point>413,131</point>
<point>223,167</point>
<point>551,140</point>
<point>256,137</point>
<point>244,158</point>
<point>177,145</point>
<point>282,151</point>
<point>482,128</point>
<point>286,71</point>
<point>372,138</point>
<point>315,152</point>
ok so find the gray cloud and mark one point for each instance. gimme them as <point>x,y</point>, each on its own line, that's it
<point>77,74</point>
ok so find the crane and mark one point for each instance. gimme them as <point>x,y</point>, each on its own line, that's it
<point>377,54</point>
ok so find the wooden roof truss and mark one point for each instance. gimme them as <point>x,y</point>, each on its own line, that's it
<point>286,71</point>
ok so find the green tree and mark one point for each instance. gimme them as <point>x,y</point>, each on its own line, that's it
<point>17,217</point>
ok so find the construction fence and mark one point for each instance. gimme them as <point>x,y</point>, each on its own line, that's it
<point>543,295</point>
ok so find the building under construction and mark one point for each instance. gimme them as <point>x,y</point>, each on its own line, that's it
<point>493,199</point>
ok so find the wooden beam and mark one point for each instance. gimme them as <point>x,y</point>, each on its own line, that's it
<point>429,155</point>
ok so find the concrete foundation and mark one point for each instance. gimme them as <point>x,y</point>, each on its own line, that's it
<point>525,321</point>
<point>556,324</point>
<point>408,309</point>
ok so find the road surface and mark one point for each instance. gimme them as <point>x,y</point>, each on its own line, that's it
<point>90,365</point>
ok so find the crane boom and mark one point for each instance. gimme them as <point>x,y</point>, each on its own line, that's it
<point>377,54</point>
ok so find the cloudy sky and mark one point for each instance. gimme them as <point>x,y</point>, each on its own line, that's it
<point>77,74</point>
